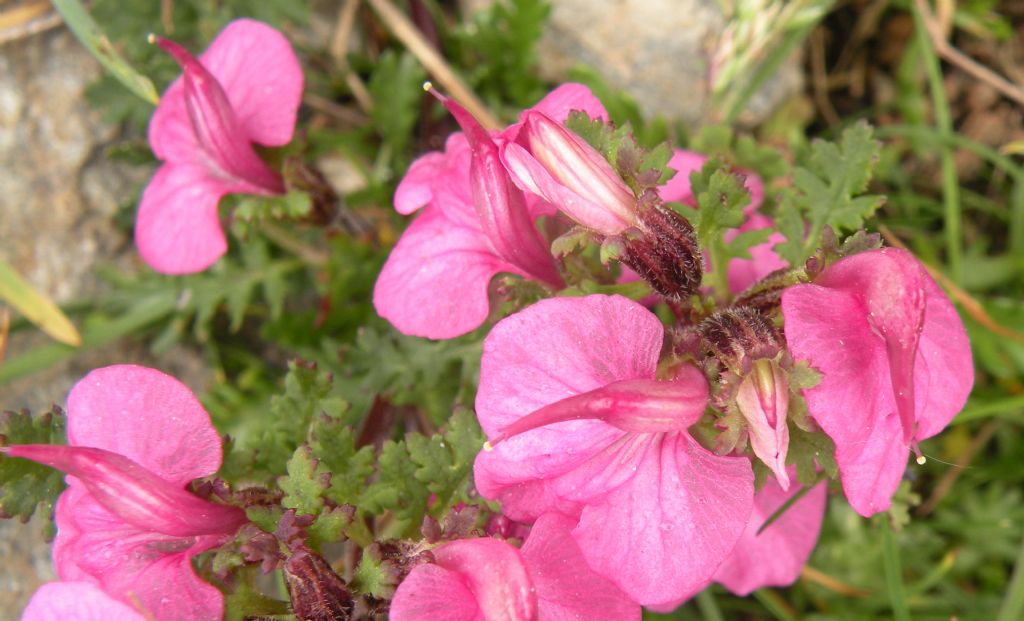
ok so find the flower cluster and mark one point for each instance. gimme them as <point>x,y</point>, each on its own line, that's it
<point>633,437</point>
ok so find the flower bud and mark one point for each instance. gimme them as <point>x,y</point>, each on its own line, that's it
<point>663,249</point>
<point>317,593</point>
<point>737,336</point>
<point>763,399</point>
<point>567,172</point>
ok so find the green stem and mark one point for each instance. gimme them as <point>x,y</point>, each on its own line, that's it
<point>944,123</point>
<point>1013,604</point>
<point>708,606</point>
<point>775,604</point>
<point>894,575</point>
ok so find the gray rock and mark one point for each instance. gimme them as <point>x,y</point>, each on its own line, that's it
<point>655,50</point>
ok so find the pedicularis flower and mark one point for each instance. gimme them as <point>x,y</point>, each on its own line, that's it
<point>244,89</point>
<point>474,224</point>
<point>895,362</point>
<point>569,398</point>
<point>488,579</point>
<point>126,523</point>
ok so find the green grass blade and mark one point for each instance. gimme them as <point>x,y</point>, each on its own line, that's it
<point>709,609</point>
<point>894,575</point>
<point>775,604</point>
<point>1012,608</point>
<point>92,37</point>
<point>944,122</point>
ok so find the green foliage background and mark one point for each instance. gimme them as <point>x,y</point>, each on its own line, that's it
<point>329,405</point>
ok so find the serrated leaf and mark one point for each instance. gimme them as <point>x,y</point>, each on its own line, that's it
<point>826,188</point>
<point>396,88</point>
<point>396,488</point>
<point>305,484</point>
<point>330,525</point>
<point>720,196</point>
<point>26,485</point>
<point>810,450</point>
<point>333,443</point>
<point>444,463</point>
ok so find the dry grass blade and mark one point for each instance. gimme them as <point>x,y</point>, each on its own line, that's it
<point>25,19</point>
<point>5,329</point>
<point>950,54</point>
<point>408,34</point>
<point>811,574</point>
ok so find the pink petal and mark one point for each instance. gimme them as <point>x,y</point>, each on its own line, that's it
<point>435,282</point>
<point>78,601</point>
<point>555,349</point>
<point>177,230</point>
<point>567,589</point>
<point>677,189</point>
<point>495,573</point>
<point>944,369</point>
<point>661,536</point>
<point>441,179</point>
<point>763,400</point>
<point>568,97</point>
<point>562,347</point>
<point>133,564</point>
<point>147,416</point>
<point>778,554</point>
<point>261,76</point>
<point>430,593</point>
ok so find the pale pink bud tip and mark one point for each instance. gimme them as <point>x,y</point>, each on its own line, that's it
<point>763,399</point>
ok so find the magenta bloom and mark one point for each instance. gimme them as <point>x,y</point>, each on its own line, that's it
<point>245,88</point>
<point>79,601</point>
<point>475,224</point>
<point>777,555</point>
<point>489,580</point>
<point>581,425</point>
<point>895,362</point>
<point>126,523</point>
<point>741,272</point>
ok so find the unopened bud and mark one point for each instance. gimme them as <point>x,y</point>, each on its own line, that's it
<point>737,336</point>
<point>663,249</point>
<point>317,593</point>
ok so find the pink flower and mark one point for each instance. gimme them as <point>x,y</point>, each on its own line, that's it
<point>895,362</point>
<point>741,272</point>
<point>126,523</point>
<point>245,88</point>
<point>80,601</point>
<point>475,224</point>
<point>489,580</point>
<point>550,161</point>
<point>777,555</point>
<point>569,395</point>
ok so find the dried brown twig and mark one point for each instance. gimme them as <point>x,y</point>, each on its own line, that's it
<point>407,33</point>
<point>950,54</point>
